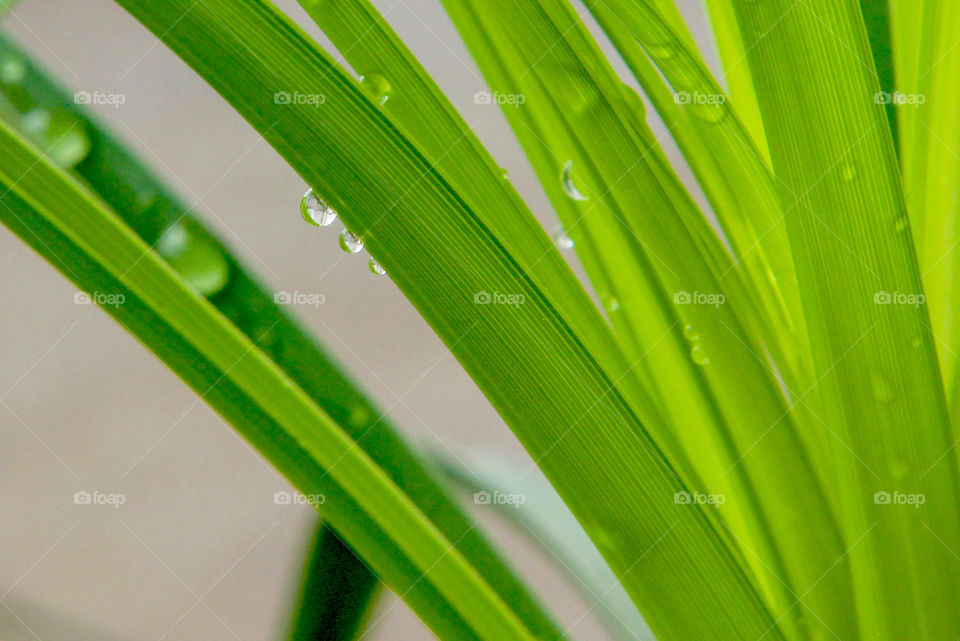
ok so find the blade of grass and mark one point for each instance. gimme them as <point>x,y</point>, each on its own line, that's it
<point>306,431</point>
<point>906,22</point>
<point>544,519</point>
<point>338,592</point>
<point>736,68</point>
<point>879,385</point>
<point>533,361</point>
<point>153,212</point>
<point>931,171</point>
<point>876,18</point>
<point>727,165</point>
<point>719,428</point>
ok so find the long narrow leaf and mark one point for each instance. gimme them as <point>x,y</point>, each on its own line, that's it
<point>307,432</point>
<point>155,214</point>
<point>879,386</point>
<point>535,361</point>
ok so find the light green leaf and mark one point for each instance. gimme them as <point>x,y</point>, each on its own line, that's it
<point>160,218</point>
<point>547,364</point>
<point>879,390</point>
<point>306,431</point>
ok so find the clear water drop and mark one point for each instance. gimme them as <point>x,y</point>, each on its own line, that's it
<point>504,173</point>
<point>197,257</point>
<point>848,171</point>
<point>59,133</point>
<point>690,333</point>
<point>350,242</point>
<point>916,342</point>
<point>698,355</point>
<point>173,241</point>
<point>377,86</point>
<point>376,268</point>
<point>901,224</point>
<point>562,239</point>
<point>315,211</point>
<point>610,303</point>
<point>13,69</point>
<point>566,179</point>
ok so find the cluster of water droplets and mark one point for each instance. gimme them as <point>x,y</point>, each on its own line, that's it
<point>697,353</point>
<point>318,213</point>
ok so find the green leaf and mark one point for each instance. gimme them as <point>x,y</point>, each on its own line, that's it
<point>542,517</point>
<point>931,168</point>
<point>306,432</point>
<point>879,390</point>
<point>158,217</point>
<point>736,68</point>
<point>727,165</point>
<point>548,364</point>
<point>906,29</point>
<point>338,592</point>
<point>876,18</point>
<point>711,429</point>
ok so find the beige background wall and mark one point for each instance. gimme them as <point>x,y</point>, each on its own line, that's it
<point>199,550</point>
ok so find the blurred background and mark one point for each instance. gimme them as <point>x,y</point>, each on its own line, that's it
<point>199,549</point>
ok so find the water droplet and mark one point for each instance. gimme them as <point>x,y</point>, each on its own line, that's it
<point>882,391</point>
<point>562,239</point>
<point>13,69</point>
<point>350,242</point>
<point>567,181</point>
<point>504,173</point>
<point>690,333</point>
<point>916,342</point>
<point>173,241</point>
<point>315,211</point>
<point>187,248</point>
<point>610,303</point>
<point>901,224</point>
<point>59,133</point>
<point>848,171</point>
<point>377,86</point>
<point>698,355</point>
<point>376,268</point>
